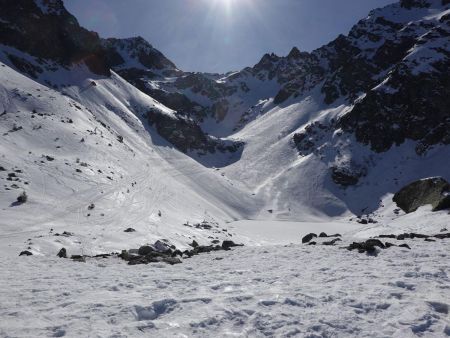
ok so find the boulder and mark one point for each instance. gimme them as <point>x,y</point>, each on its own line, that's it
<point>434,191</point>
<point>145,250</point>
<point>26,253</point>
<point>308,238</point>
<point>323,234</point>
<point>129,230</point>
<point>229,244</point>
<point>62,253</point>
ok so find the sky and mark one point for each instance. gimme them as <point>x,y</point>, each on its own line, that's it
<point>223,35</point>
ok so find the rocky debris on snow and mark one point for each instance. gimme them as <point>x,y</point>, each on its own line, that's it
<point>368,246</point>
<point>412,235</point>
<point>308,237</point>
<point>25,253</point>
<point>434,191</point>
<point>23,198</point>
<point>78,258</point>
<point>129,230</point>
<point>64,234</point>
<point>332,242</point>
<point>404,245</point>
<point>166,253</point>
<point>227,245</point>
<point>62,253</point>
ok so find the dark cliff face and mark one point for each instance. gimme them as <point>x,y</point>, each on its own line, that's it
<point>44,29</point>
<point>395,74</point>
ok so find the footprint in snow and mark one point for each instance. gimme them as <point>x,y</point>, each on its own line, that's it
<point>156,310</point>
<point>439,307</point>
<point>404,285</point>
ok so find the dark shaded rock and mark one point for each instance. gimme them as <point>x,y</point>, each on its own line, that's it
<point>26,253</point>
<point>171,260</point>
<point>62,253</point>
<point>429,240</point>
<point>335,235</point>
<point>388,245</point>
<point>401,237</point>
<point>404,246</point>
<point>186,134</point>
<point>346,176</point>
<point>323,234</point>
<point>368,246</point>
<point>308,237</point>
<point>442,235</point>
<point>78,258</point>
<point>226,245</point>
<point>129,230</point>
<point>161,246</point>
<point>414,235</point>
<point>332,242</point>
<point>23,198</point>
<point>145,250</point>
<point>177,253</point>
<point>312,243</point>
<point>375,242</point>
<point>434,191</point>
<point>387,236</point>
<point>194,244</point>
<point>54,34</point>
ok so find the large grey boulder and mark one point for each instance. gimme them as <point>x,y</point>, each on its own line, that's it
<point>434,191</point>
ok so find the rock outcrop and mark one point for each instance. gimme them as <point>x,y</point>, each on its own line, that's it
<point>434,191</point>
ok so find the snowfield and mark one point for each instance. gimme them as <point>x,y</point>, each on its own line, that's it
<point>256,291</point>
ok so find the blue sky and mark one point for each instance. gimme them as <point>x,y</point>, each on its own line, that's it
<point>223,35</point>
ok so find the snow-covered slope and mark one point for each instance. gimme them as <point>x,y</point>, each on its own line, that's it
<point>300,144</point>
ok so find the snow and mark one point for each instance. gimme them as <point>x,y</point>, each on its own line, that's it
<point>257,291</point>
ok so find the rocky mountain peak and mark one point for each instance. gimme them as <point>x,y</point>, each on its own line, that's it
<point>45,29</point>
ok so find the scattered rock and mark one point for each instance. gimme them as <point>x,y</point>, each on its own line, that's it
<point>62,253</point>
<point>308,238</point>
<point>226,245</point>
<point>332,242</point>
<point>404,246</point>
<point>129,230</point>
<point>368,246</point>
<point>443,235</point>
<point>387,236</point>
<point>26,253</point>
<point>23,198</point>
<point>78,258</point>
<point>145,250</point>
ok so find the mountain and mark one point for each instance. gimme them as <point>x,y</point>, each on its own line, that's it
<point>314,135</point>
<point>330,167</point>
